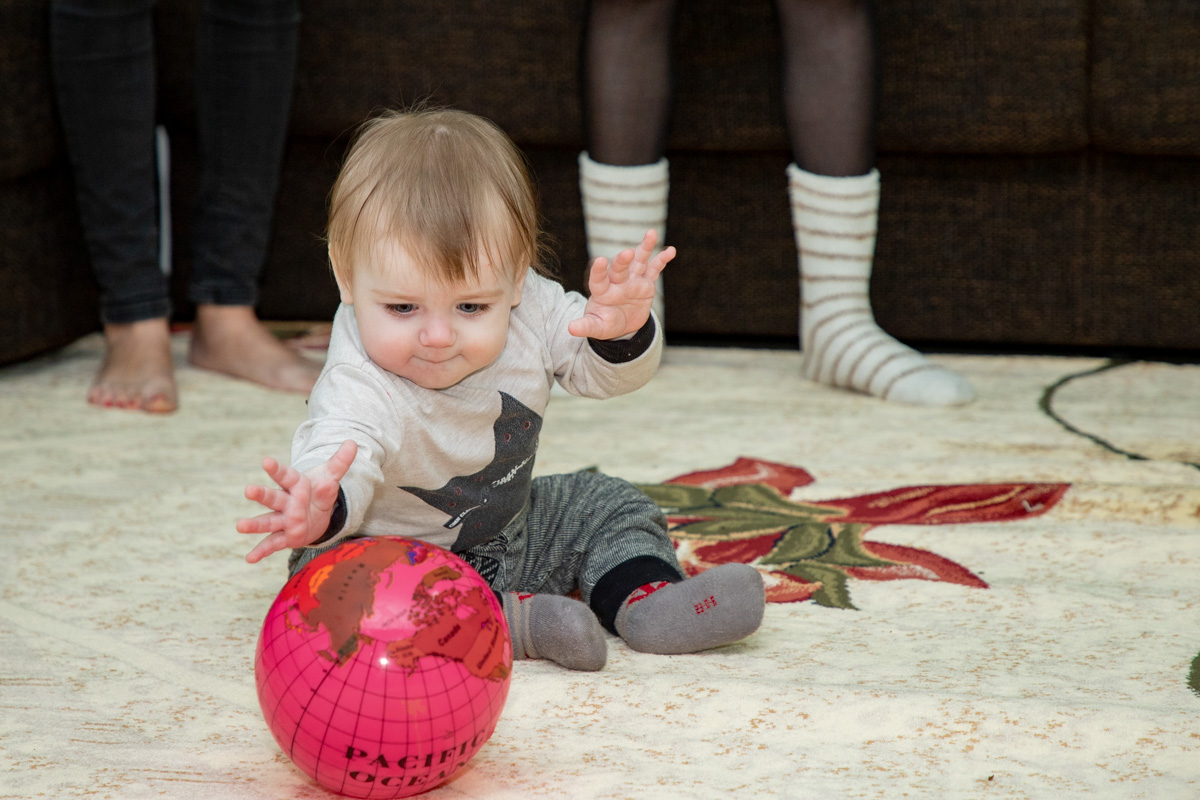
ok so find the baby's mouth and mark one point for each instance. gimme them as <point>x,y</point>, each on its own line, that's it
<point>437,360</point>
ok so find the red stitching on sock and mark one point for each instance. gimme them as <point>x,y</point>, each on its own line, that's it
<point>642,592</point>
<point>705,604</point>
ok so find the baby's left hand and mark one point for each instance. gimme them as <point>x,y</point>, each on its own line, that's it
<point>621,291</point>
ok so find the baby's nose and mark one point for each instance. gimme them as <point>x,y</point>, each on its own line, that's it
<point>437,332</point>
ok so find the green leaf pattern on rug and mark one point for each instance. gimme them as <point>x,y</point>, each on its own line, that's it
<point>807,545</point>
<point>833,589</point>
<point>811,550</point>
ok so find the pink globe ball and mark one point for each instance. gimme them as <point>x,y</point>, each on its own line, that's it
<point>383,666</point>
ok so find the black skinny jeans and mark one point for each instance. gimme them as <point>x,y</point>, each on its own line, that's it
<point>104,76</point>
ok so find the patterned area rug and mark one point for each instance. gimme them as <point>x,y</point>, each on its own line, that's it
<point>994,601</point>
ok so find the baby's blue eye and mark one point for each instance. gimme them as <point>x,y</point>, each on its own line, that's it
<point>401,308</point>
<point>472,308</point>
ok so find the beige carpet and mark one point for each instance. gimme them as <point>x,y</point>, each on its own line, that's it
<point>1038,654</point>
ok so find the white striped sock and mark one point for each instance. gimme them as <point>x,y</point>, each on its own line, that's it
<point>620,204</point>
<point>834,221</point>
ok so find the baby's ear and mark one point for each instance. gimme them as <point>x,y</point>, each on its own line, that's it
<point>343,281</point>
<point>519,285</point>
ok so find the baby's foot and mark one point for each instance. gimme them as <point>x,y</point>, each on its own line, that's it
<point>230,339</point>
<point>555,628</point>
<point>137,372</point>
<point>721,605</point>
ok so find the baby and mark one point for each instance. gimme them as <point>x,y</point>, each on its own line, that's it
<point>425,420</point>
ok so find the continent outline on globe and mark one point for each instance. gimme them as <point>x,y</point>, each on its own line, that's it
<point>339,596</point>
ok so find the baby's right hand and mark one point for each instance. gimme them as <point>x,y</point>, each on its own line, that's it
<point>302,505</point>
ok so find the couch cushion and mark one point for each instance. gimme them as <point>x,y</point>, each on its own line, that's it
<point>982,249</point>
<point>1142,284</point>
<point>29,138</point>
<point>978,77</point>
<point>1146,77</point>
<point>511,62</point>
<point>985,76</point>
<point>49,296</point>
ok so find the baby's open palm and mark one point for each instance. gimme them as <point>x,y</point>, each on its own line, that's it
<point>622,291</point>
<point>302,505</point>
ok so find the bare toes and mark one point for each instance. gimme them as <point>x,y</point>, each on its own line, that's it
<point>161,403</point>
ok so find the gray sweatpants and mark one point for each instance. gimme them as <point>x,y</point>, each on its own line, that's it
<point>574,529</point>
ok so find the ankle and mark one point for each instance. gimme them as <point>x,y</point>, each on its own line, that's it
<point>216,320</point>
<point>615,589</point>
<point>140,330</point>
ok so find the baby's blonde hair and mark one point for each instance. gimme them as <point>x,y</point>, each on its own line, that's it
<point>448,186</point>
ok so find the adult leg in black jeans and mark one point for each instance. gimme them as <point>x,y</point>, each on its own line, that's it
<point>104,74</point>
<point>245,61</point>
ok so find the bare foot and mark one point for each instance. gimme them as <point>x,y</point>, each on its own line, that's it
<point>137,372</point>
<point>230,339</point>
<point>315,338</point>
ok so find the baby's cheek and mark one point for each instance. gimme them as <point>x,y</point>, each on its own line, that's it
<point>489,349</point>
<point>390,354</point>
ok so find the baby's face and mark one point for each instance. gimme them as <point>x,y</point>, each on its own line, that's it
<point>428,333</point>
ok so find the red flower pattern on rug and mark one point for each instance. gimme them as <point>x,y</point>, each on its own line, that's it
<point>811,550</point>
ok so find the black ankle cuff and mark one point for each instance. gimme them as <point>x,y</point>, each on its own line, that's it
<point>621,581</point>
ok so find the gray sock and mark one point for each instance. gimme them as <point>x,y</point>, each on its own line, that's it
<point>718,606</point>
<point>555,628</point>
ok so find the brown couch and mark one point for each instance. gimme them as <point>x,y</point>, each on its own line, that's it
<point>1040,162</point>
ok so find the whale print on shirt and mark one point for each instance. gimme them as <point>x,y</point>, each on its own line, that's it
<point>480,505</point>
